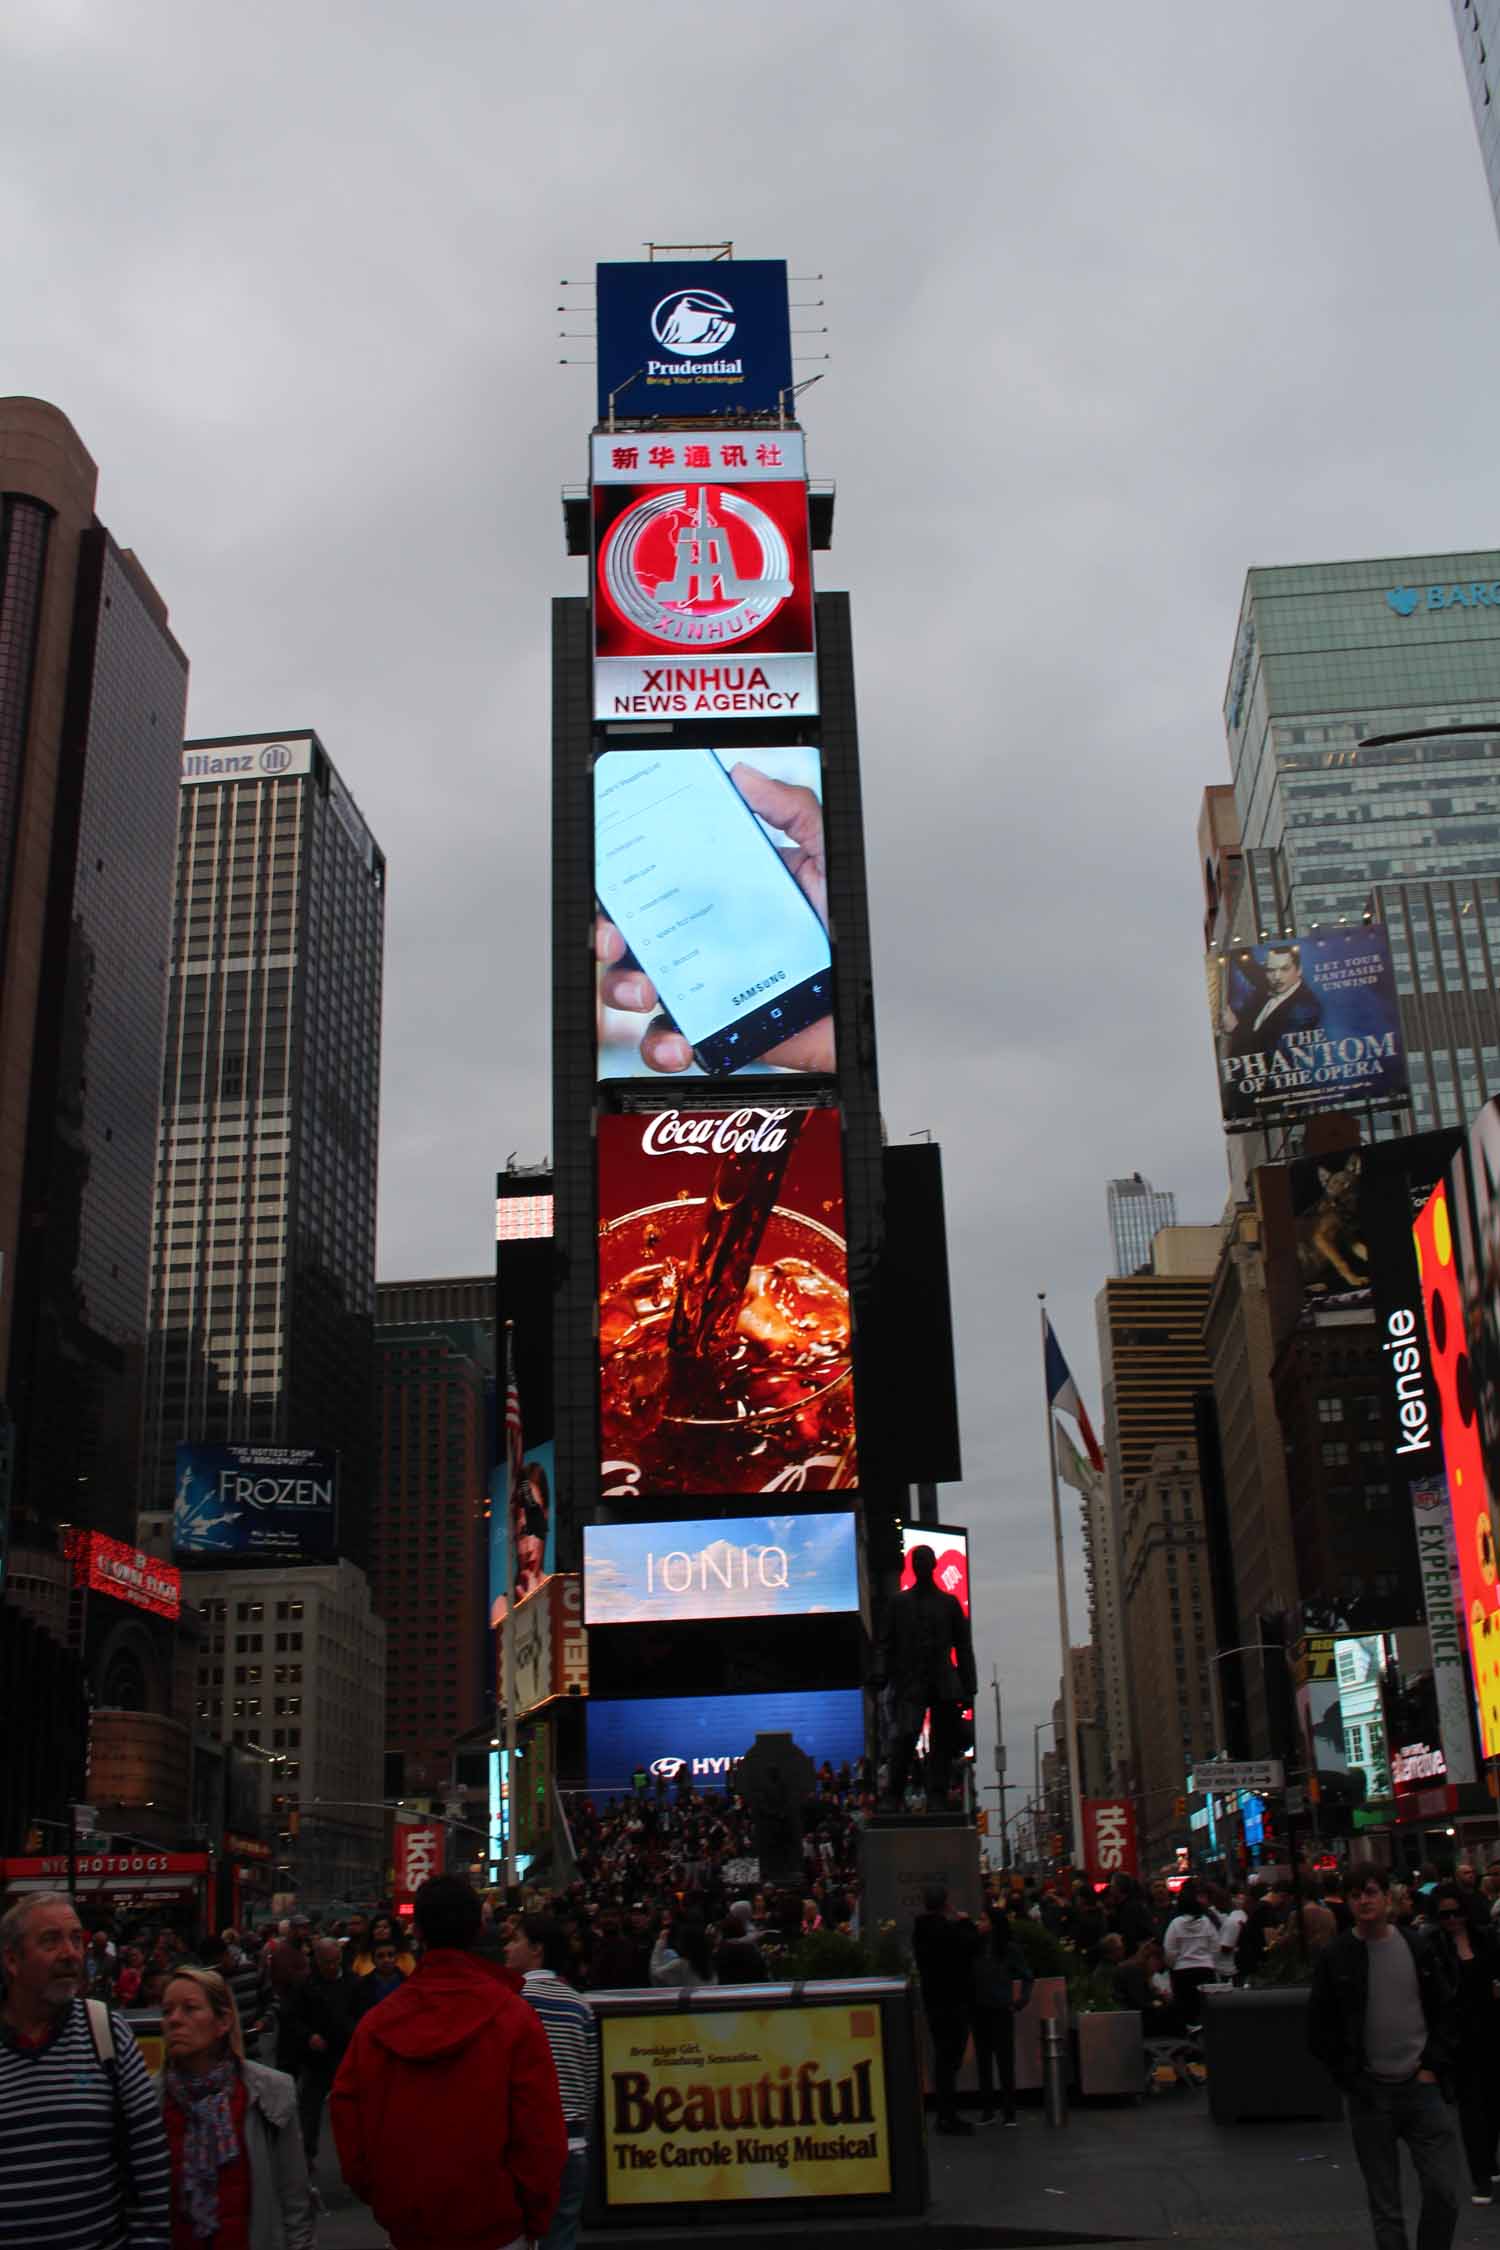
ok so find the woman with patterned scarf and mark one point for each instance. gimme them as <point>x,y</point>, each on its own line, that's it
<point>239,2177</point>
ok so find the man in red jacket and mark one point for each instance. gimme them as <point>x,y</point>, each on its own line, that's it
<point>445,2110</point>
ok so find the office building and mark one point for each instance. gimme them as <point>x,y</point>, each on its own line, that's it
<point>429,1542</point>
<point>1136,1211</point>
<point>1445,950</point>
<point>1151,1363</point>
<point>1363,723</point>
<point>93,689</point>
<point>263,1291</point>
<point>1478,25</point>
<point>291,1668</point>
<point>1170,1637</point>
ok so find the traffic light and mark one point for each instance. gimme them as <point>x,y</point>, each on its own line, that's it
<point>1179,1808</point>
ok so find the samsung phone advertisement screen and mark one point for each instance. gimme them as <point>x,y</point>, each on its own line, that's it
<point>712,940</point>
<point>725,1354</point>
<point>703,1738</point>
<point>747,1566</point>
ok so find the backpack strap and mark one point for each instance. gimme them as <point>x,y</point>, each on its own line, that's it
<point>101,2032</point>
<point>102,2036</point>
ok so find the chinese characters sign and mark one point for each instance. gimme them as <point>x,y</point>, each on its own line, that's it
<point>702,578</point>
<point>1109,1836</point>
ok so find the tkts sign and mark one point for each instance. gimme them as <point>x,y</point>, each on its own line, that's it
<point>418,1854</point>
<point>1109,1836</point>
<point>702,577</point>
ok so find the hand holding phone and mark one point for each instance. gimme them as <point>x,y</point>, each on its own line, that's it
<point>797,814</point>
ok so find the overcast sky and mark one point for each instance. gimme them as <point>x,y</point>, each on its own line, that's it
<point>1120,300</point>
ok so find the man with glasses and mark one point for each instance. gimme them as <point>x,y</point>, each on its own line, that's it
<point>1383,2017</point>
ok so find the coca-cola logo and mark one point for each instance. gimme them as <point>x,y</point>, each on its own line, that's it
<point>739,1132</point>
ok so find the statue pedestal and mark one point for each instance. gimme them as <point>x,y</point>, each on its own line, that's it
<point>901,1853</point>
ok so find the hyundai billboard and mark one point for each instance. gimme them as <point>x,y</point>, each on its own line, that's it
<point>742,1566</point>
<point>712,928</point>
<point>703,1738</point>
<point>1306,1023</point>
<point>693,337</point>
<point>725,1351</point>
<point>255,1503</point>
<point>703,594</point>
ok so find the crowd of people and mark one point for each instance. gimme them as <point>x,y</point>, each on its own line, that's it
<point>479,2019</point>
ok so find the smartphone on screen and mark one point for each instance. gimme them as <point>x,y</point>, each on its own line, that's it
<point>705,902</point>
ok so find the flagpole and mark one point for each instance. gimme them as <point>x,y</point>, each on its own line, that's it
<point>1070,1728</point>
<point>507,1625</point>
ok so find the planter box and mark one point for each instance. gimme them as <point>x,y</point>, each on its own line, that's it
<point>1111,2052</point>
<point>1255,2047</point>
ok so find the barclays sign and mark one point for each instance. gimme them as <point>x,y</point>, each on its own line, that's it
<point>1407,600</point>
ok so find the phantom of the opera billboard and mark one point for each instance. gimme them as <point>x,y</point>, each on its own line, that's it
<point>693,337</point>
<point>255,1503</point>
<point>744,2105</point>
<point>712,936</point>
<point>719,1567</point>
<point>703,595</point>
<point>1306,1023</point>
<point>725,1354</point>
<point>1457,1237</point>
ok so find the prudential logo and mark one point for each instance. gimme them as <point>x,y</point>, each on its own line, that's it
<point>693,322</point>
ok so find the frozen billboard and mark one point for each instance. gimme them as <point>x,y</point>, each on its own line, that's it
<point>703,595</point>
<point>1306,1023</point>
<point>725,1352</point>
<point>255,1503</point>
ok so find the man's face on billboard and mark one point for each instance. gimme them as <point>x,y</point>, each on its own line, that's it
<point>1282,972</point>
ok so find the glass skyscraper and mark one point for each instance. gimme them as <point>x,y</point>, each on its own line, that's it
<point>1136,1210</point>
<point>263,1296</point>
<point>1363,723</point>
<point>1478,23</point>
<point>93,690</point>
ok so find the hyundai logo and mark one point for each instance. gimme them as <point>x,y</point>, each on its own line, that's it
<point>693,322</point>
<point>667,1769</point>
<point>275,758</point>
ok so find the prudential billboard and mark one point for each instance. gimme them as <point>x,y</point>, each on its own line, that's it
<point>710,336</point>
<point>255,1503</point>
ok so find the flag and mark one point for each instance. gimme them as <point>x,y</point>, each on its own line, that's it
<point>1062,1395</point>
<point>514,1442</point>
<point>1071,1465</point>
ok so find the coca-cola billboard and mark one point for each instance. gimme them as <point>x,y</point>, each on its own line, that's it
<point>724,1324</point>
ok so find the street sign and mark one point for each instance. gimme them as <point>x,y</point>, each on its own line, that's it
<point>1223,1777</point>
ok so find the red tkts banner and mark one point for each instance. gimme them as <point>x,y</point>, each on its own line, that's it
<point>724,1334</point>
<point>1109,1836</point>
<point>418,1854</point>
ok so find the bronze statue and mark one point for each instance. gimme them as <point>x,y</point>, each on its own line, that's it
<point>927,1662</point>
<point>775,1778</point>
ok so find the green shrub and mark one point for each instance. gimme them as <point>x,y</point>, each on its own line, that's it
<point>1046,1955</point>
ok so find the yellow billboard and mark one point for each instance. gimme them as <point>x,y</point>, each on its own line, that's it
<point>744,2105</point>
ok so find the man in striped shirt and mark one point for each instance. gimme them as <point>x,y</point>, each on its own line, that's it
<point>83,2157</point>
<point>539,1950</point>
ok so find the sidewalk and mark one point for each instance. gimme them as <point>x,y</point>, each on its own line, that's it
<point>1162,2172</point>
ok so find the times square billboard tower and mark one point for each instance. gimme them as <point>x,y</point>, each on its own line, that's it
<point>751,1343</point>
